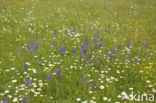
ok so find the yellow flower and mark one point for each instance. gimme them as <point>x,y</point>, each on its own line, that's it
<point>150,66</point>
<point>147,72</point>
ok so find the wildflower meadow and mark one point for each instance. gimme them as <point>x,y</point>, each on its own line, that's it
<point>77,51</point>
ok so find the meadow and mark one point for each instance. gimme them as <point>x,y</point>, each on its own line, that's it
<point>77,51</point>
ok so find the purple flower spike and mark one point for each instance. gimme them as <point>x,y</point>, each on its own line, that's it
<point>84,81</point>
<point>23,101</point>
<point>54,44</point>
<point>128,43</point>
<point>86,42</point>
<point>90,29</point>
<point>49,77</point>
<point>4,101</point>
<point>28,47</point>
<point>58,73</point>
<point>106,51</point>
<point>36,47</point>
<point>63,41</point>
<point>74,51</point>
<point>113,53</point>
<point>84,51</point>
<point>28,82</point>
<point>95,84</point>
<point>55,33</point>
<point>25,66</point>
<point>63,49</point>
<point>73,30</point>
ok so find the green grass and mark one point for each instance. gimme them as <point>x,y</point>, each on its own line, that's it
<point>26,22</point>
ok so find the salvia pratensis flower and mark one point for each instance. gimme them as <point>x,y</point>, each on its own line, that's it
<point>63,49</point>
<point>37,37</point>
<point>25,66</point>
<point>58,73</point>
<point>90,29</point>
<point>94,84</point>
<point>86,42</point>
<point>113,53</point>
<point>28,82</point>
<point>63,41</point>
<point>74,51</point>
<point>128,43</point>
<point>73,30</point>
<point>89,57</point>
<point>108,28</point>
<point>49,77</point>
<point>106,51</point>
<point>84,51</point>
<point>23,101</point>
<point>54,44</point>
<point>28,47</point>
<point>36,47</point>
<point>84,81</point>
<point>101,44</point>
<point>5,101</point>
<point>55,33</point>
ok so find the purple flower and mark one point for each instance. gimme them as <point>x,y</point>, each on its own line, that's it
<point>55,33</point>
<point>95,46</point>
<point>95,84</point>
<point>113,53</point>
<point>32,97</point>
<point>32,45</point>
<point>28,47</point>
<point>97,32</point>
<point>23,101</point>
<point>84,81</point>
<point>28,82</point>
<point>25,66</point>
<point>89,57</point>
<point>54,44</point>
<point>101,44</point>
<point>136,59</point>
<point>36,47</point>
<point>84,51</point>
<point>36,37</point>
<point>128,43</point>
<point>86,42</point>
<point>99,57</point>
<point>83,46</point>
<point>58,73</point>
<point>108,28</point>
<point>73,30</point>
<point>49,77</point>
<point>106,51</point>
<point>90,29</point>
<point>74,51</point>
<point>63,41</point>
<point>4,101</point>
<point>63,49</point>
<point>119,47</point>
